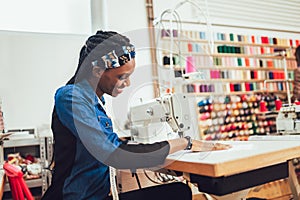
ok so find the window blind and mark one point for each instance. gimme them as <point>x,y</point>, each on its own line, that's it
<point>266,14</point>
<point>275,15</point>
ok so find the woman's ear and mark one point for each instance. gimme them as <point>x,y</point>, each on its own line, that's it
<point>97,71</point>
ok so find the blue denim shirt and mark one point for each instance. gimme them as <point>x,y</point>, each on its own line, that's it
<point>78,109</point>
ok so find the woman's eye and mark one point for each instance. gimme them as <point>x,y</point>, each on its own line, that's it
<point>123,77</point>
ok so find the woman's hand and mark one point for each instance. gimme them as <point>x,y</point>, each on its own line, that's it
<point>200,145</point>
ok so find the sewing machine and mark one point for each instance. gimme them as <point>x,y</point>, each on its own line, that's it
<point>159,118</point>
<point>288,120</point>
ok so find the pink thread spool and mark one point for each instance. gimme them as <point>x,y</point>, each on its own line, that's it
<point>190,64</point>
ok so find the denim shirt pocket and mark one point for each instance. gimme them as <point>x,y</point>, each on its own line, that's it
<point>105,123</point>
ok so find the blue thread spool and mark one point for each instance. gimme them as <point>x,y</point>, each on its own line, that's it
<point>251,86</point>
<point>202,35</point>
<point>219,36</point>
<point>271,75</point>
<point>223,36</point>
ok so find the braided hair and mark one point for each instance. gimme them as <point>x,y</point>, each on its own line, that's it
<point>95,47</point>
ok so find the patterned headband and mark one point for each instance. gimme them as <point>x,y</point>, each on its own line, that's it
<point>112,60</point>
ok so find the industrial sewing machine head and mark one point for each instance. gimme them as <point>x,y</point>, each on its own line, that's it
<point>288,120</point>
<point>155,120</point>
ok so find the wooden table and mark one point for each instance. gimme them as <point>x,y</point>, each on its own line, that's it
<point>245,165</point>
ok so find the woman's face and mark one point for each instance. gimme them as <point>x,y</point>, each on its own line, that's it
<point>113,81</point>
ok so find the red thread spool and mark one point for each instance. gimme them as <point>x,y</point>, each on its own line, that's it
<point>262,106</point>
<point>278,104</point>
<point>297,102</point>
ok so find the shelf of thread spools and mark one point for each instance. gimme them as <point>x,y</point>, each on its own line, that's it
<point>235,56</point>
<point>233,87</point>
<point>233,50</point>
<point>227,79</point>
<point>192,41</point>
<point>236,117</point>
<point>234,82</point>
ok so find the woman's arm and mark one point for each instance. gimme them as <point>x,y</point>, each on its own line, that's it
<point>133,156</point>
<point>177,144</point>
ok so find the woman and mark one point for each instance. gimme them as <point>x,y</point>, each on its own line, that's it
<point>85,144</point>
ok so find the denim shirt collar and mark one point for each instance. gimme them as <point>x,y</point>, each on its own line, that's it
<point>90,92</point>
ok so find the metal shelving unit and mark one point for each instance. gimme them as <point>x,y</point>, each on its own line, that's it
<point>39,145</point>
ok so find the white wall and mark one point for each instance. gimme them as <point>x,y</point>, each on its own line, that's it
<point>40,43</point>
<point>32,66</point>
<point>48,16</point>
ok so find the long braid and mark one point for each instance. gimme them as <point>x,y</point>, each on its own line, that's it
<point>95,47</point>
<point>81,58</point>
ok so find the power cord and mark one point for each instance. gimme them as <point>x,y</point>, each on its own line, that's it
<point>148,177</point>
